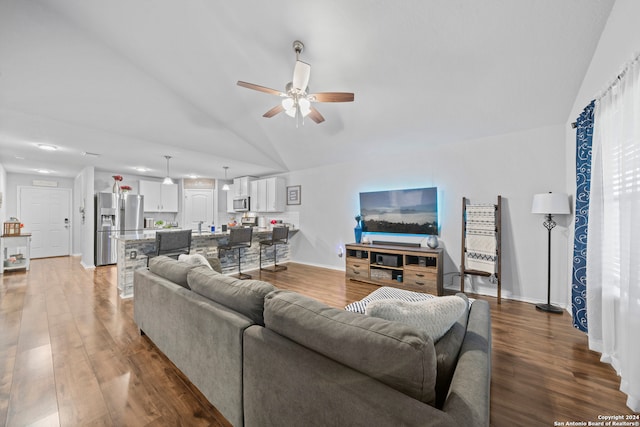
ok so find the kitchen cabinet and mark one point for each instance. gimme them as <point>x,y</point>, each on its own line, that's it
<point>159,197</point>
<point>242,185</point>
<point>268,195</point>
<point>230,195</point>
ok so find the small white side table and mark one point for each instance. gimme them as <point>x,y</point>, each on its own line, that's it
<point>12,245</point>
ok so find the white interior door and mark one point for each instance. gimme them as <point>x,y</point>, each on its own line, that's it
<point>198,207</point>
<point>46,214</point>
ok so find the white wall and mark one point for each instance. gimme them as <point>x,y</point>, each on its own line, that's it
<point>16,179</point>
<point>515,166</point>
<point>84,184</point>
<point>3,191</point>
<point>619,43</point>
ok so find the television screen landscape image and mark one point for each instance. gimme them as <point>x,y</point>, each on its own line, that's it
<point>412,211</point>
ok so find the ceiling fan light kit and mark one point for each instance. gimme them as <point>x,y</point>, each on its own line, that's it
<point>297,100</point>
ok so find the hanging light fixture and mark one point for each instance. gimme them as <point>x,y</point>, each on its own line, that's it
<point>225,187</point>
<point>167,179</point>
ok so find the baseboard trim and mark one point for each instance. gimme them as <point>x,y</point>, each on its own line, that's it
<point>328,267</point>
<point>87,267</point>
<point>492,292</point>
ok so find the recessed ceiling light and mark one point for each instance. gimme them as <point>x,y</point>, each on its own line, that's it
<point>141,169</point>
<point>193,176</point>
<point>47,147</point>
<point>43,171</point>
<point>19,157</point>
<point>88,154</point>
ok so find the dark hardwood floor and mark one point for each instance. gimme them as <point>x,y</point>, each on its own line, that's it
<point>71,355</point>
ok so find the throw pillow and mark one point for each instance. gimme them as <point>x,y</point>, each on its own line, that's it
<point>195,259</point>
<point>215,264</point>
<point>434,316</point>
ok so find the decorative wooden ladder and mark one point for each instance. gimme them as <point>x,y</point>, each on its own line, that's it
<point>498,235</point>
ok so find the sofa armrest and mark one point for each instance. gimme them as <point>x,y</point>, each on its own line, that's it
<point>201,338</point>
<point>468,400</point>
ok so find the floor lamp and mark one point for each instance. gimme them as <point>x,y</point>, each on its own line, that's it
<point>550,204</point>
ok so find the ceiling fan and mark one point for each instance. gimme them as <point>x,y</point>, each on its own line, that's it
<point>296,99</point>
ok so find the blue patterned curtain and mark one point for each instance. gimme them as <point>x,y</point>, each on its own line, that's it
<point>584,135</point>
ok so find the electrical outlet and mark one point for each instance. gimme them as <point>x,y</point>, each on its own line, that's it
<point>133,254</point>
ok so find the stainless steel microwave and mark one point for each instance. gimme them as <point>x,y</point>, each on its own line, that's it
<point>241,204</point>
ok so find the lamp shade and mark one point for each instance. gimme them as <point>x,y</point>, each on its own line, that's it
<point>550,203</point>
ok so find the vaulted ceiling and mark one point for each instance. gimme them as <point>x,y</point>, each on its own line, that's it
<point>134,80</point>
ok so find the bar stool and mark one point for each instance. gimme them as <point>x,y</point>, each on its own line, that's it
<point>171,244</point>
<point>279,236</point>
<point>239,237</point>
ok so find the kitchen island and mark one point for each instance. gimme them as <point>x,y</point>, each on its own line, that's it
<point>132,249</point>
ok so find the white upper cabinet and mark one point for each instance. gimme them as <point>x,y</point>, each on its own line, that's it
<point>259,195</point>
<point>230,195</point>
<point>268,195</point>
<point>159,197</point>
<point>242,185</point>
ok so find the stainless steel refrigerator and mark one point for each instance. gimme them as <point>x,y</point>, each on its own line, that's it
<point>116,213</point>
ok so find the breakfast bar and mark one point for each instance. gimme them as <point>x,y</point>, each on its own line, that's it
<point>133,249</point>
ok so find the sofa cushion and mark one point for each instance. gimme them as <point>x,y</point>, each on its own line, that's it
<point>243,296</point>
<point>391,352</point>
<point>435,316</point>
<point>171,269</point>
<point>449,315</point>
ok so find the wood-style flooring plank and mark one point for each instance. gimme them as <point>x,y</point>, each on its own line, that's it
<point>70,354</point>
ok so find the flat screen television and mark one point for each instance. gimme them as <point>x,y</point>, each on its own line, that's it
<point>412,211</point>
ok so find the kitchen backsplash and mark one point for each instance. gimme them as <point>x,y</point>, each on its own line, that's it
<point>285,217</point>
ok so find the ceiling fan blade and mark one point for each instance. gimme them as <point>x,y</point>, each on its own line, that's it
<point>316,116</point>
<point>260,88</point>
<point>301,74</point>
<point>332,97</point>
<point>275,110</point>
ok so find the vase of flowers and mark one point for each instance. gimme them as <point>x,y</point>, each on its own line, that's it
<point>116,183</point>
<point>125,188</point>
<point>358,228</point>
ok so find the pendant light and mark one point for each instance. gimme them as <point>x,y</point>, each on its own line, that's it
<point>225,187</point>
<point>167,179</point>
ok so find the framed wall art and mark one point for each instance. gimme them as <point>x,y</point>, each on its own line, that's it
<point>293,195</point>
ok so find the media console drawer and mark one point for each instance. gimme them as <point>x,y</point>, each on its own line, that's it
<point>420,277</point>
<point>358,268</point>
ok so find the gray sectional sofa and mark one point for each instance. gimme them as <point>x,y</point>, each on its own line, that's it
<point>269,357</point>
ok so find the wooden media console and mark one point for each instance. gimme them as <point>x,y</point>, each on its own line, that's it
<point>410,268</point>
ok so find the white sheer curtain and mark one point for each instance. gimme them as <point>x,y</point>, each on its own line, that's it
<point>613,248</point>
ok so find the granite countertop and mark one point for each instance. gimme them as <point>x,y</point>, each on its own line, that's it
<point>151,234</point>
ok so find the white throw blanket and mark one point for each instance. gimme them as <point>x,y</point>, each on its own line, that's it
<point>480,238</point>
